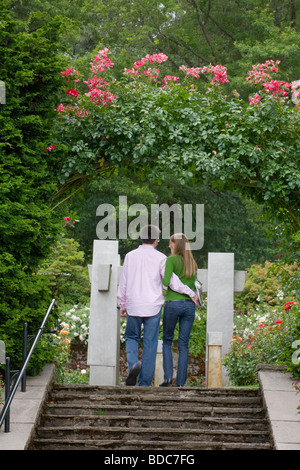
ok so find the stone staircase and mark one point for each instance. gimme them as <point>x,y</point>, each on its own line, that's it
<point>141,418</point>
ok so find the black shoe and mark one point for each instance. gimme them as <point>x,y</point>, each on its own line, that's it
<point>133,373</point>
<point>166,383</point>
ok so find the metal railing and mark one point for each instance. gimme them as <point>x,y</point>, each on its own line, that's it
<point>20,375</point>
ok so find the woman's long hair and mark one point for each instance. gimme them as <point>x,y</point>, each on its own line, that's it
<point>182,248</point>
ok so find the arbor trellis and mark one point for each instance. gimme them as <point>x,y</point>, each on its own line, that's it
<point>197,131</point>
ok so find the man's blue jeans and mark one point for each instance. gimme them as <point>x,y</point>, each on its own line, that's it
<point>133,337</point>
<point>184,312</point>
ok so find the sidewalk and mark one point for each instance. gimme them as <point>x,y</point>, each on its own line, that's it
<point>25,409</point>
<point>281,400</point>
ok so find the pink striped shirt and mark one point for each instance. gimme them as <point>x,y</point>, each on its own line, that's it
<point>140,290</point>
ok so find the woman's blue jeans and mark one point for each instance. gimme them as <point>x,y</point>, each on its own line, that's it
<point>182,311</point>
<point>150,340</point>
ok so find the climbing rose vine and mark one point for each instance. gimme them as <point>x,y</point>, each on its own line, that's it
<point>191,125</point>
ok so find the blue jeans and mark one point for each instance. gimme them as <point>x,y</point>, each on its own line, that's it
<point>184,312</point>
<point>133,337</point>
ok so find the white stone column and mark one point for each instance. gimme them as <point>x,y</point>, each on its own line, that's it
<point>222,282</point>
<point>104,326</point>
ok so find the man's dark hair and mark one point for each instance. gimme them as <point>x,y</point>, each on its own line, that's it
<point>149,233</point>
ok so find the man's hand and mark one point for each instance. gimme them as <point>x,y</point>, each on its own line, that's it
<point>195,300</point>
<point>123,313</point>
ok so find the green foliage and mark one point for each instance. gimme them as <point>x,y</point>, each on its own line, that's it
<point>263,338</point>
<point>288,255</point>
<point>266,325</point>
<point>189,31</point>
<point>66,272</point>
<point>193,132</point>
<point>28,227</point>
<point>264,286</point>
<point>75,320</point>
<point>77,376</point>
<point>273,38</point>
<point>107,190</point>
<point>197,341</point>
<point>224,211</point>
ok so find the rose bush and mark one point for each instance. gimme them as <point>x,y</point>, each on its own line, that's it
<point>194,127</point>
<point>263,337</point>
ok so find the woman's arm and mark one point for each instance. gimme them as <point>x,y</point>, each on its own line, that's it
<point>169,269</point>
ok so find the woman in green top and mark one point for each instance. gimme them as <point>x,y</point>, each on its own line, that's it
<point>178,308</point>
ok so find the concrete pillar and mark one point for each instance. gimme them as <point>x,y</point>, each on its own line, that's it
<point>220,292</point>
<point>159,370</point>
<point>214,361</point>
<point>104,327</point>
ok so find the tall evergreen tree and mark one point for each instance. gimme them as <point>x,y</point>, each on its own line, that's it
<point>29,68</point>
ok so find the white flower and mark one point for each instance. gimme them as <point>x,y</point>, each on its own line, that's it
<point>75,318</point>
<point>280,295</point>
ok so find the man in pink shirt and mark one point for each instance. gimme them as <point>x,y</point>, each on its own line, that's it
<point>140,298</point>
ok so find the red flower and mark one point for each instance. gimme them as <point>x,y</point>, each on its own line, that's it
<point>51,147</point>
<point>72,92</point>
<point>254,99</point>
<point>68,71</point>
<point>69,222</point>
<point>288,305</point>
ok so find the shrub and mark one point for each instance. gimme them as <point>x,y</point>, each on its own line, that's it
<point>264,286</point>
<point>76,322</point>
<point>262,337</point>
<point>67,276</point>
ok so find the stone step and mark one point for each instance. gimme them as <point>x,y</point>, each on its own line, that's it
<point>154,421</point>
<point>157,418</point>
<point>174,436</point>
<point>155,391</point>
<point>180,399</point>
<point>115,444</point>
<point>149,410</point>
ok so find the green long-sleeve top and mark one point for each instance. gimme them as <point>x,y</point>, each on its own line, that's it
<point>174,264</point>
